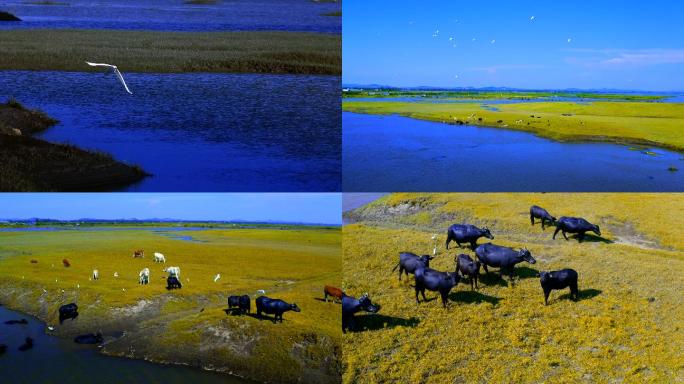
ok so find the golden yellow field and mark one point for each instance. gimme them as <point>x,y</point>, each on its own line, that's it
<point>626,327</point>
<point>189,325</point>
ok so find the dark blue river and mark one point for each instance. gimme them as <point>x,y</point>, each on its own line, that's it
<point>197,131</point>
<point>393,153</point>
<point>224,15</point>
<point>54,360</point>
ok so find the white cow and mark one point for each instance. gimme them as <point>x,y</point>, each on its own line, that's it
<point>144,276</point>
<point>96,274</point>
<point>173,272</point>
<point>159,258</point>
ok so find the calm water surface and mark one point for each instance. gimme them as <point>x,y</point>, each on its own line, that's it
<point>392,153</point>
<point>54,360</point>
<point>197,131</point>
<point>225,15</point>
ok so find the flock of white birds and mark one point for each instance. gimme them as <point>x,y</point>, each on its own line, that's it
<point>452,40</point>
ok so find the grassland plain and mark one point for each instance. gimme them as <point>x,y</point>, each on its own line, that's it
<point>168,52</point>
<point>494,95</point>
<point>635,123</point>
<point>626,327</point>
<point>187,326</point>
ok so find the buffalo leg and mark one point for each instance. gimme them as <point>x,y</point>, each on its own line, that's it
<point>448,240</point>
<point>532,219</point>
<point>485,268</point>
<point>564,235</point>
<point>473,245</point>
<point>475,278</point>
<point>472,281</point>
<point>444,298</point>
<point>546,296</point>
<point>580,236</point>
<point>417,291</point>
<point>326,296</point>
<point>401,270</point>
<point>574,292</point>
<point>555,233</point>
<point>542,222</point>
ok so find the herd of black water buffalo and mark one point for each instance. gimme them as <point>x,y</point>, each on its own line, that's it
<point>488,255</point>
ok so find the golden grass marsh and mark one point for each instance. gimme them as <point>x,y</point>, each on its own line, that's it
<point>626,327</point>
<point>169,52</point>
<point>640,123</point>
<point>189,325</point>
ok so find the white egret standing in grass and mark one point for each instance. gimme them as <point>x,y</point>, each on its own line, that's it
<point>217,277</point>
<point>116,71</point>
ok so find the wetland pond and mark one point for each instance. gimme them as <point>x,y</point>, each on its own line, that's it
<point>394,153</point>
<point>56,360</point>
<point>234,15</point>
<point>197,131</point>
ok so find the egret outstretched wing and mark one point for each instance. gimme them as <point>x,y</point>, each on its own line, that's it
<point>118,74</point>
<point>116,71</point>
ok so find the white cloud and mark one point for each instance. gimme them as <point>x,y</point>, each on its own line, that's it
<point>619,58</point>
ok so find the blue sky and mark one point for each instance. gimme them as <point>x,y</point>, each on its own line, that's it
<point>613,44</point>
<point>298,207</point>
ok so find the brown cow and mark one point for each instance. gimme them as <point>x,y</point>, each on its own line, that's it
<point>336,293</point>
<point>139,253</point>
<point>66,263</point>
<point>34,261</point>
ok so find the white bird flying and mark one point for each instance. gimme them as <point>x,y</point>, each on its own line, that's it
<point>531,18</point>
<point>569,40</point>
<point>116,71</point>
<point>492,42</point>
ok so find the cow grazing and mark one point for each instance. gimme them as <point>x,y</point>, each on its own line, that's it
<point>468,267</point>
<point>68,311</point>
<point>410,262</point>
<point>559,280</point>
<point>28,344</point>
<point>435,281</point>
<point>34,261</point>
<point>503,258</point>
<point>242,303</point>
<point>159,258</point>
<point>90,338</point>
<point>352,305</point>
<point>139,253</point>
<point>537,212</point>
<point>96,274</point>
<point>336,293</point>
<point>274,307</point>
<point>173,271</point>
<point>173,282</point>
<point>466,233</point>
<point>66,263</point>
<point>575,225</point>
<point>144,276</point>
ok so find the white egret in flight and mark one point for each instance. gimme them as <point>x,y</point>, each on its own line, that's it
<point>116,71</point>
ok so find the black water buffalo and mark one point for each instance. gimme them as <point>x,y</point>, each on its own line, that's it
<point>28,344</point>
<point>558,280</point>
<point>90,338</point>
<point>3,348</point>
<point>468,267</point>
<point>233,302</point>
<point>68,311</point>
<point>537,212</point>
<point>274,307</point>
<point>435,281</point>
<point>575,225</point>
<point>352,305</point>
<point>244,304</point>
<point>503,258</point>
<point>466,233</point>
<point>22,321</point>
<point>409,262</point>
<point>172,282</point>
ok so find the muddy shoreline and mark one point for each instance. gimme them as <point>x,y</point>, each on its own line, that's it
<point>31,164</point>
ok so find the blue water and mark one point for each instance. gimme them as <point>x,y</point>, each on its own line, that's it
<point>392,153</point>
<point>225,15</point>
<point>197,131</point>
<point>54,360</point>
